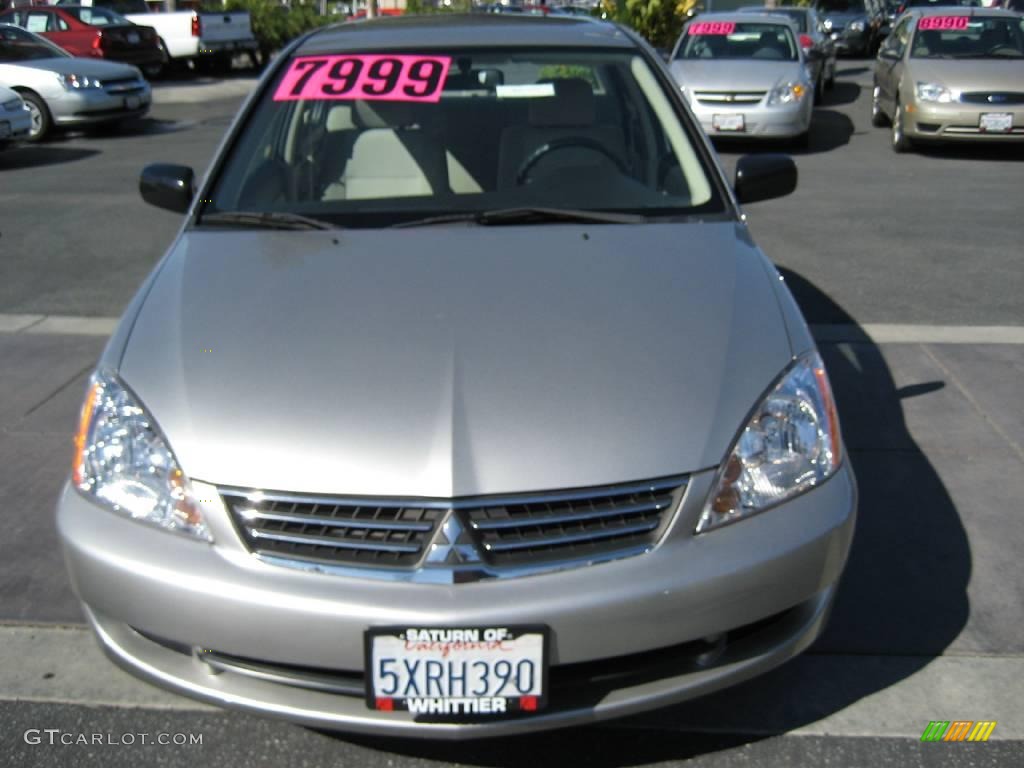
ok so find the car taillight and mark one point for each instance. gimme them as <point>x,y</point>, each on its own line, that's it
<point>97,42</point>
<point>806,42</point>
<point>197,25</point>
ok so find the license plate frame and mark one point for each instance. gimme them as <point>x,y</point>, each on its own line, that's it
<point>734,122</point>
<point>534,644</point>
<point>132,102</point>
<point>133,38</point>
<point>995,122</point>
<point>5,129</point>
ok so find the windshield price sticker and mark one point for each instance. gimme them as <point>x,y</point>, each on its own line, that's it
<point>374,78</point>
<point>942,22</point>
<point>711,28</point>
<point>457,672</point>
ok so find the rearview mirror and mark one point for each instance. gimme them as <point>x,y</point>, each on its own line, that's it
<point>762,177</point>
<point>167,186</point>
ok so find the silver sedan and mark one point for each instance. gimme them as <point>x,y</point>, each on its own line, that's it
<point>422,429</point>
<point>745,76</point>
<point>62,90</point>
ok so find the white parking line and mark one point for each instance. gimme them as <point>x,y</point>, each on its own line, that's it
<point>64,665</point>
<point>878,333</point>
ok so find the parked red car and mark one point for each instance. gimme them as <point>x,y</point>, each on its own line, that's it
<point>95,32</point>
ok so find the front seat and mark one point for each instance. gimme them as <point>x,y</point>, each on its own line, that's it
<point>394,155</point>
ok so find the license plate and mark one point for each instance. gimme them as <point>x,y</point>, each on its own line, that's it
<point>133,38</point>
<point>5,129</point>
<point>996,122</point>
<point>728,122</point>
<point>132,102</point>
<point>457,673</point>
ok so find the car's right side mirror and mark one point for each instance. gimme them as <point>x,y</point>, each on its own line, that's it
<point>887,53</point>
<point>167,186</point>
<point>762,177</point>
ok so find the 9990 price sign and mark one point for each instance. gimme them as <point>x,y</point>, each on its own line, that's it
<point>376,78</point>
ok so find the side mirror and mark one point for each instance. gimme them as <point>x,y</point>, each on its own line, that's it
<point>762,177</point>
<point>888,54</point>
<point>167,186</point>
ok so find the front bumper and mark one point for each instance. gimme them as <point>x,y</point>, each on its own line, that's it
<point>14,126</point>
<point>959,122</point>
<point>97,105</point>
<point>155,598</point>
<point>760,121</point>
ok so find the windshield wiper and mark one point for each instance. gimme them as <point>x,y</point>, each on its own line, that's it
<point>526,216</point>
<point>265,220</point>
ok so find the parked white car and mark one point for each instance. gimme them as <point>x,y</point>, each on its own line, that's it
<point>187,35</point>
<point>15,119</point>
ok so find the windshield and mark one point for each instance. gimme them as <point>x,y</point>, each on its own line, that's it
<point>968,37</point>
<point>19,45</point>
<point>738,40</point>
<point>450,132</point>
<point>840,6</point>
<point>97,17</point>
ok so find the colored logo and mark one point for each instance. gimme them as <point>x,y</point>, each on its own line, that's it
<point>958,730</point>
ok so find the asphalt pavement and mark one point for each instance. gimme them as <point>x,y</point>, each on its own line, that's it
<point>909,269</point>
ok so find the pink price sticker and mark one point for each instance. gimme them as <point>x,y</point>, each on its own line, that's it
<point>711,28</point>
<point>375,78</point>
<point>942,22</point>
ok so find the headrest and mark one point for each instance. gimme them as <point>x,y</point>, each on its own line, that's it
<point>339,118</point>
<point>385,114</point>
<point>573,104</point>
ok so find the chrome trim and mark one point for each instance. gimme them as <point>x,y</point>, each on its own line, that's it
<point>296,679</point>
<point>327,541</point>
<point>597,513</point>
<point>336,522</point>
<point>554,541</point>
<point>461,502</point>
<point>453,575</point>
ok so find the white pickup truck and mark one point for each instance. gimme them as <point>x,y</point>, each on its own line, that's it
<point>188,35</point>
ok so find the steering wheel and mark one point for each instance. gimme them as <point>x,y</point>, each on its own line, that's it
<point>566,142</point>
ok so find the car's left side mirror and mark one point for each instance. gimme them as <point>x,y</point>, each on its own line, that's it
<point>762,177</point>
<point>167,186</point>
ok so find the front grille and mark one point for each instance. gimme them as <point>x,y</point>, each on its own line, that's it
<point>729,97</point>
<point>997,99</point>
<point>480,536</point>
<point>123,85</point>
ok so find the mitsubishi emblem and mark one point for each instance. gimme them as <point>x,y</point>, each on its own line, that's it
<point>453,544</point>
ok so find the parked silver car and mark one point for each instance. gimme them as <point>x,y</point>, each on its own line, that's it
<point>62,90</point>
<point>745,75</point>
<point>15,118</point>
<point>463,404</point>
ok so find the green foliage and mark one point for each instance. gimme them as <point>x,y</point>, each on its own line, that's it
<point>567,71</point>
<point>425,7</point>
<point>659,21</point>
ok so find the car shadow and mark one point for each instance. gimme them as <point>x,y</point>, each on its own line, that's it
<point>37,155</point>
<point>983,151</point>
<point>841,93</point>
<point>902,600</point>
<point>829,130</point>
<point>848,71</point>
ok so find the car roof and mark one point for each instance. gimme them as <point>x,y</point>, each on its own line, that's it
<point>748,16</point>
<point>963,10</point>
<point>478,30</point>
<point>783,10</point>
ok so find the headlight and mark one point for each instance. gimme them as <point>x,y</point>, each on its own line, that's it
<point>933,92</point>
<point>856,26</point>
<point>78,82</point>
<point>790,445</point>
<point>827,24</point>
<point>122,461</point>
<point>786,94</point>
<point>13,105</point>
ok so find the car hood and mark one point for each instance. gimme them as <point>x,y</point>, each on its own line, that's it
<point>968,74</point>
<point>76,65</point>
<point>739,75</point>
<point>453,361</point>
